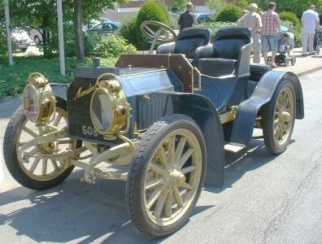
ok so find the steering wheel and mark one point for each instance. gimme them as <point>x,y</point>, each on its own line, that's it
<point>157,31</point>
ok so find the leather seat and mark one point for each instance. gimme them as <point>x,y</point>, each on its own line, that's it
<point>231,47</point>
<point>187,42</point>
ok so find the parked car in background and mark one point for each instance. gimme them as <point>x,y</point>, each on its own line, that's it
<point>105,27</point>
<point>204,17</point>
<point>36,36</point>
<point>20,39</point>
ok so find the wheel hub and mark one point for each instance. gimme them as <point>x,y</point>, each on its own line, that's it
<point>48,147</point>
<point>176,178</point>
<point>285,117</point>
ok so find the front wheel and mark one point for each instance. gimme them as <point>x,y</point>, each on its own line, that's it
<point>37,167</point>
<point>278,118</point>
<point>166,176</point>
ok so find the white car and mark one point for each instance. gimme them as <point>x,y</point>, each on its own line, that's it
<point>21,39</point>
<point>36,36</point>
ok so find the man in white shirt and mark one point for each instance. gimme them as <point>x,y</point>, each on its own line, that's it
<point>310,22</point>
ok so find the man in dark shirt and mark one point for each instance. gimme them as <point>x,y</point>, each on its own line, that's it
<point>186,19</point>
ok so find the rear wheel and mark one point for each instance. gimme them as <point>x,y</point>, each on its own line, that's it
<point>37,167</point>
<point>278,118</point>
<point>37,40</point>
<point>293,61</point>
<point>286,62</point>
<point>166,176</point>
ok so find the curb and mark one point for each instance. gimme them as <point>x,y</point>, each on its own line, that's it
<point>305,72</point>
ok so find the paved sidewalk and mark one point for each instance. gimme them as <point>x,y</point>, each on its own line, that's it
<point>303,65</point>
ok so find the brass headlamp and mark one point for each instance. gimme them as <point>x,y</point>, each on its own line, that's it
<point>109,107</point>
<point>38,100</point>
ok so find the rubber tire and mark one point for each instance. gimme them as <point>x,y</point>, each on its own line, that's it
<point>11,158</point>
<point>258,70</point>
<point>37,40</point>
<point>293,60</point>
<point>268,112</point>
<point>286,62</point>
<point>136,178</point>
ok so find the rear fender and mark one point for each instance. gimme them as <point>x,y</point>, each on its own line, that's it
<point>248,110</point>
<point>206,116</point>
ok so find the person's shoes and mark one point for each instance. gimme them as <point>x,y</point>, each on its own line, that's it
<point>272,65</point>
<point>304,55</point>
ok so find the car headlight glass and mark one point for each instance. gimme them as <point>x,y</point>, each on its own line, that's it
<point>109,107</point>
<point>38,100</point>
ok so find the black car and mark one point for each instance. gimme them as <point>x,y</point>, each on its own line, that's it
<point>204,17</point>
<point>161,122</point>
<point>104,27</point>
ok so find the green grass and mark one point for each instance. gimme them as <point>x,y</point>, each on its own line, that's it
<point>13,77</point>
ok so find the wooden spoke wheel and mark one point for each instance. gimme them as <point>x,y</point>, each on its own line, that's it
<point>36,167</point>
<point>166,176</point>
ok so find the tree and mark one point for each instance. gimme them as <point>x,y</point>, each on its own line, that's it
<point>178,5</point>
<point>215,5</point>
<point>43,16</point>
<point>78,21</point>
<point>294,6</point>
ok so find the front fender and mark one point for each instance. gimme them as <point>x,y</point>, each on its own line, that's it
<point>248,110</point>
<point>206,116</point>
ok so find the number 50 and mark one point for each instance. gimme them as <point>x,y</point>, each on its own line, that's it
<point>88,130</point>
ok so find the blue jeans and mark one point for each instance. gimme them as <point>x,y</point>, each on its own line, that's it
<point>269,43</point>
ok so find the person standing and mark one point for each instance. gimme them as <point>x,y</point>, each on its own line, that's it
<point>253,21</point>
<point>310,23</point>
<point>186,19</point>
<point>270,33</point>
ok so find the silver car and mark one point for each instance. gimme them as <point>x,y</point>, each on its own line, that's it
<point>21,39</point>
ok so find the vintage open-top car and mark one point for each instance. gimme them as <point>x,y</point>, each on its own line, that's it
<point>160,121</point>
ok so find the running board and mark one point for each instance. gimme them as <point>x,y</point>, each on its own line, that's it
<point>234,147</point>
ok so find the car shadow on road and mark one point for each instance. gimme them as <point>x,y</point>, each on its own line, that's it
<point>71,212</point>
<point>237,164</point>
<point>83,213</point>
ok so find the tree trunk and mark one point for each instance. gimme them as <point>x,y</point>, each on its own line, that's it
<point>78,17</point>
<point>47,48</point>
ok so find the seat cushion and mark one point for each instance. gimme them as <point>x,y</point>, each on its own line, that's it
<point>189,46</point>
<point>188,40</point>
<point>216,66</point>
<point>228,48</point>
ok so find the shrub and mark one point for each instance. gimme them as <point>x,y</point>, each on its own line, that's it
<point>229,13</point>
<point>110,45</point>
<point>215,26</point>
<point>128,30</point>
<point>291,17</point>
<point>151,10</point>
<point>296,31</point>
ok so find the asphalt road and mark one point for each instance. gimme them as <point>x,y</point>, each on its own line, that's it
<point>264,199</point>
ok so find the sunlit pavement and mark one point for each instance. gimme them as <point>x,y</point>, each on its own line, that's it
<point>303,65</point>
